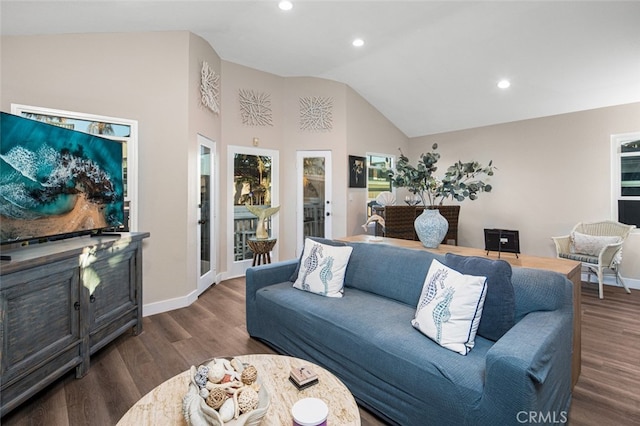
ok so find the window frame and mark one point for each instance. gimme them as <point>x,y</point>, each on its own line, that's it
<point>616,171</point>
<point>392,159</point>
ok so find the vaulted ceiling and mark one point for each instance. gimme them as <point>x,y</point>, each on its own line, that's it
<point>428,66</point>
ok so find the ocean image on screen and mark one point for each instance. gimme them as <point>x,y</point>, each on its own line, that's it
<point>56,181</point>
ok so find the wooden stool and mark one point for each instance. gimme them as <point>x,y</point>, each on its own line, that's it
<point>261,249</point>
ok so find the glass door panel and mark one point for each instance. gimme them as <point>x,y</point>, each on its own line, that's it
<point>205,210</point>
<point>314,201</point>
<point>206,262</point>
<point>254,175</point>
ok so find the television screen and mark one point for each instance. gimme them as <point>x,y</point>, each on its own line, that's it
<point>56,182</point>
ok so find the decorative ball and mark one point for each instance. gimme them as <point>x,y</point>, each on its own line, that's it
<point>247,400</point>
<point>249,375</point>
<point>216,398</point>
<point>216,373</point>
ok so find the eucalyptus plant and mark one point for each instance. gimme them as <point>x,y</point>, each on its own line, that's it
<point>460,181</point>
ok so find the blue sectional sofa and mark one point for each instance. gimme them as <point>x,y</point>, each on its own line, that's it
<point>367,340</point>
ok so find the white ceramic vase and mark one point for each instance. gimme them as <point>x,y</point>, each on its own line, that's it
<point>431,227</point>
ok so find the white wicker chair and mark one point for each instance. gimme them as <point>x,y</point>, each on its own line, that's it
<point>603,252</point>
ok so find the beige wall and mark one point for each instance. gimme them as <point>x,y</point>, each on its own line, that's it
<point>234,132</point>
<point>148,77</point>
<point>368,131</point>
<point>154,78</point>
<point>205,122</point>
<point>296,139</point>
<point>356,128</point>
<point>552,173</point>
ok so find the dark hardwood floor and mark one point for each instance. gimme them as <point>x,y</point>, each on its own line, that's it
<point>607,393</point>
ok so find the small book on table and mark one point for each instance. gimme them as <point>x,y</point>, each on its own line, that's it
<point>303,377</point>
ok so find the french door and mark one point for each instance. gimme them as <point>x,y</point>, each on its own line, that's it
<point>314,208</point>
<point>206,228</point>
<point>255,177</point>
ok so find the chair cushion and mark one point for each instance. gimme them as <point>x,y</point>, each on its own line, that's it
<point>498,314</point>
<point>322,268</point>
<point>590,245</point>
<point>579,257</point>
<point>450,307</point>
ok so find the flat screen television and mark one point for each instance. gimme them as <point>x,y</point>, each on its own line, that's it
<point>56,182</point>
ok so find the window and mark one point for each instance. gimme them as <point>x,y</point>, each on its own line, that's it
<point>630,169</point>
<point>117,129</point>
<point>378,166</point>
<point>626,178</point>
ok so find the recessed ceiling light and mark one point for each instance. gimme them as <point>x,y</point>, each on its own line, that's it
<point>285,5</point>
<point>504,84</point>
<point>358,42</point>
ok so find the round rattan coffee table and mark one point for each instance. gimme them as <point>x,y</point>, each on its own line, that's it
<point>163,404</point>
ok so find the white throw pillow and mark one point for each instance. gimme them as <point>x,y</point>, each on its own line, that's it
<point>450,307</point>
<point>322,268</point>
<point>590,245</point>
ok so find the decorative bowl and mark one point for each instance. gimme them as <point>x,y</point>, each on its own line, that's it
<point>197,413</point>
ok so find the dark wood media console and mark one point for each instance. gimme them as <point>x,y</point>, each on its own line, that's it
<point>62,301</point>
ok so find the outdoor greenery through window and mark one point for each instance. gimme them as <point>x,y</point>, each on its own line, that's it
<point>252,185</point>
<point>378,180</point>
<point>252,179</point>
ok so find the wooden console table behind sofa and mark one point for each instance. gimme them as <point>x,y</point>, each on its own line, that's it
<point>399,221</point>
<point>571,269</point>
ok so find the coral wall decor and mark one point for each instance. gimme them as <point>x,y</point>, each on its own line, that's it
<point>255,108</point>
<point>210,88</point>
<point>316,114</point>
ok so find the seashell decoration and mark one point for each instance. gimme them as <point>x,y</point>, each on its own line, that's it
<point>386,198</point>
<point>236,365</point>
<point>204,393</point>
<point>224,390</point>
<point>227,410</point>
<point>216,372</point>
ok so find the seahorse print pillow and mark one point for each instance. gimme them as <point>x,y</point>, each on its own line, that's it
<point>450,307</point>
<point>322,268</point>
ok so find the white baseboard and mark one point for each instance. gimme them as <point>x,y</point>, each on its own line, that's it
<point>610,279</point>
<point>176,303</point>
<point>169,304</point>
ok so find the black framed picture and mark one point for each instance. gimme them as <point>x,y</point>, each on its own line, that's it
<point>502,240</point>
<point>357,172</point>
